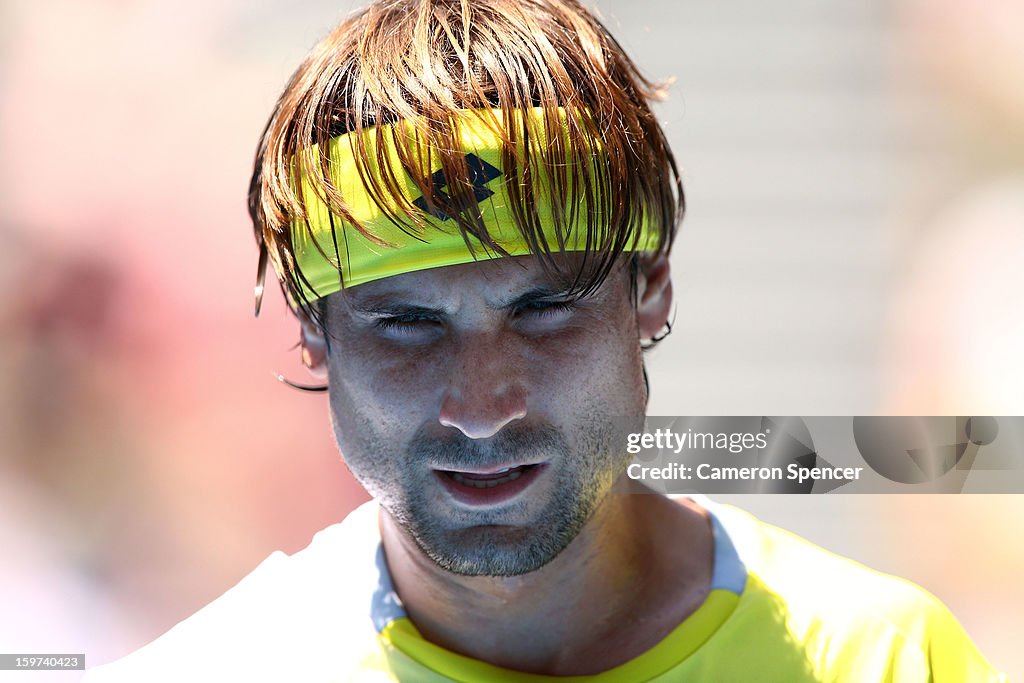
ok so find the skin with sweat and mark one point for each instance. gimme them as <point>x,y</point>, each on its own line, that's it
<point>482,366</point>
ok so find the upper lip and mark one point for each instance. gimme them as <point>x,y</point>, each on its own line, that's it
<point>490,469</point>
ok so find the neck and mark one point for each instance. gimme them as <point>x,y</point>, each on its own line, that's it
<point>641,565</point>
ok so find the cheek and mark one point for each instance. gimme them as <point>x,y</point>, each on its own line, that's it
<point>596,370</point>
<point>379,395</point>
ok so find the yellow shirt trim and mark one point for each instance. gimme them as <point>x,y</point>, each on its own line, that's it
<point>679,644</point>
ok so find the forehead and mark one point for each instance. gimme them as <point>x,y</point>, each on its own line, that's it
<point>494,282</point>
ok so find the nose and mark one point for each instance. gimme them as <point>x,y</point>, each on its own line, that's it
<point>484,390</point>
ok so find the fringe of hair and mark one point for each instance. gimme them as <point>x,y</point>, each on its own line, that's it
<point>422,61</point>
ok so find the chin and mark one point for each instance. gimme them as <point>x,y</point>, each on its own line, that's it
<point>494,551</point>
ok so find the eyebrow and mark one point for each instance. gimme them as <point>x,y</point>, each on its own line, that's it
<point>385,306</point>
<point>542,293</point>
<point>391,305</point>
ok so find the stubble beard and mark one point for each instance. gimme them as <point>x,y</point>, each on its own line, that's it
<point>521,537</point>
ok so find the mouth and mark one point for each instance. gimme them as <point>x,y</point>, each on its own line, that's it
<point>489,486</point>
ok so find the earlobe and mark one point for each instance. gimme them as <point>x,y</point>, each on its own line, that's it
<point>314,348</point>
<point>654,295</point>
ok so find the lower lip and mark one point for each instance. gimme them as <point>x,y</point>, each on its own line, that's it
<point>471,495</point>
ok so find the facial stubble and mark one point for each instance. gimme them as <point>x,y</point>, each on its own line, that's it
<point>508,540</point>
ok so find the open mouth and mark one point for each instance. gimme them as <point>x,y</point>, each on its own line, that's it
<point>488,481</point>
<point>481,488</point>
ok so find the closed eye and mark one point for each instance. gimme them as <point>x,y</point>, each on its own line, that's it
<point>544,316</point>
<point>408,325</point>
<point>542,309</point>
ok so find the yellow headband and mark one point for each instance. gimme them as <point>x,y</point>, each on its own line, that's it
<point>360,259</point>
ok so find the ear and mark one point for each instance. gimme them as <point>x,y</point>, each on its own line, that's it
<point>654,294</point>
<point>314,347</point>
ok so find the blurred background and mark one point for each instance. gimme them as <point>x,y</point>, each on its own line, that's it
<point>854,245</point>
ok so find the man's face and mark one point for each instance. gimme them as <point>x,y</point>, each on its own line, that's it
<point>441,379</point>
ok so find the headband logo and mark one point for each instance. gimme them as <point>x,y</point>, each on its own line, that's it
<point>480,173</point>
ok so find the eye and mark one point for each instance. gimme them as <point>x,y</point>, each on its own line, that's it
<point>543,308</point>
<point>546,311</point>
<point>411,325</point>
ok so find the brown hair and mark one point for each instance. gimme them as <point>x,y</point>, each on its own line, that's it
<point>422,61</point>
